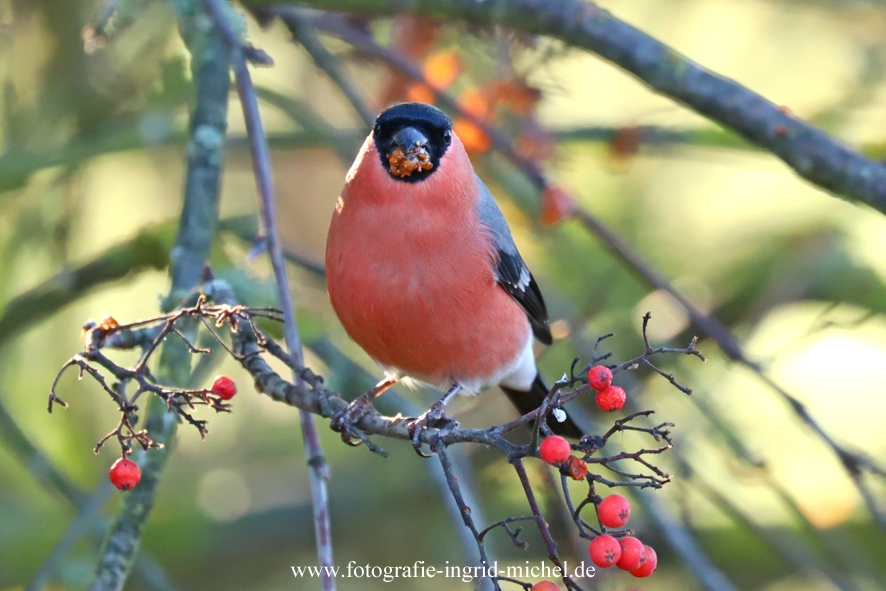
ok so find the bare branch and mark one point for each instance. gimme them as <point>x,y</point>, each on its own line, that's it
<point>261,160</point>
<point>580,23</point>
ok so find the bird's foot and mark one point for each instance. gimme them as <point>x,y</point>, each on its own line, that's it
<point>345,421</point>
<point>434,418</point>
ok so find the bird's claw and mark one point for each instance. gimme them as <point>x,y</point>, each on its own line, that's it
<point>345,421</point>
<point>434,418</point>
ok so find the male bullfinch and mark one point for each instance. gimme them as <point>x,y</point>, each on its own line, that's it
<point>424,274</point>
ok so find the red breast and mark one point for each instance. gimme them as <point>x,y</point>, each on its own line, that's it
<point>409,273</point>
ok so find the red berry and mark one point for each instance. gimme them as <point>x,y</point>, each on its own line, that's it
<point>604,551</point>
<point>545,586</point>
<point>612,398</point>
<point>223,387</point>
<point>633,554</point>
<point>648,567</point>
<point>125,474</point>
<point>599,377</point>
<point>554,450</point>
<point>614,511</point>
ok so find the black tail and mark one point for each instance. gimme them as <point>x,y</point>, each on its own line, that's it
<point>529,401</point>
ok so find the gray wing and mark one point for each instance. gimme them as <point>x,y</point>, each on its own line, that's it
<point>510,270</point>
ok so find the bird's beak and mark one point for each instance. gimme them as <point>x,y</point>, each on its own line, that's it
<point>410,140</point>
<point>410,154</point>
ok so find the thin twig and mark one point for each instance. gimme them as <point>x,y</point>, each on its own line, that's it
<point>440,449</point>
<point>327,61</point>
<point>542,524</point>
<point>261,160</point>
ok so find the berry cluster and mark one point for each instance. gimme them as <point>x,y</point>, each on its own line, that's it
<point>609,397</point>
<point>627,553</point>
<point>125,473</point>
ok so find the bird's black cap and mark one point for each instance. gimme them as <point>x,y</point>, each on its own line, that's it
<point>422,122</point>
<point>414,113</point>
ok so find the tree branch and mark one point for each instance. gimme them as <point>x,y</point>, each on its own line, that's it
<point>682,540</point>
<point>87,514</point>
<point>261,160</point>
<point>191,250</point>
<point>812,154</point>
<point>327,61</point>
<point>147,250</point>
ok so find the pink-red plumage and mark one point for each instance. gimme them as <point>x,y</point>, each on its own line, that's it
<point>410,275</point>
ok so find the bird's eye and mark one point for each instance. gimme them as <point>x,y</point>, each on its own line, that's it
<point>377,128</point>
<point>447,136</point>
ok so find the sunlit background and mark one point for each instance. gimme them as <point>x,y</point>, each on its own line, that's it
<point>93,142</point>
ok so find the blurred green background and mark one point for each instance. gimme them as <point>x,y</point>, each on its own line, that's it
<point>93,156</point>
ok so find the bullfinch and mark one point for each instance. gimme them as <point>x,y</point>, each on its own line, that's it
<point>424,274</point>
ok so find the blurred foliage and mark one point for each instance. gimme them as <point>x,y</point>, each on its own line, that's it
<point>93,133</point>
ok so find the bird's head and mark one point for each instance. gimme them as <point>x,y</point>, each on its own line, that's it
<point>411,139</point>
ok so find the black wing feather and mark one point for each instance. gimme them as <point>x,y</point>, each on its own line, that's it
<point>511,273</point>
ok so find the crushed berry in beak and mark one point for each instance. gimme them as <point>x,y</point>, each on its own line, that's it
<point>403,164</point>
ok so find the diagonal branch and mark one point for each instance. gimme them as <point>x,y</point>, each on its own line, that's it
<point>854,463</point>
<point>542,524</point>
<point>463,508</point>
<point>813,154</point>
<point>147,250</point>
<point>87,515</point>
<point>327,61</point>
